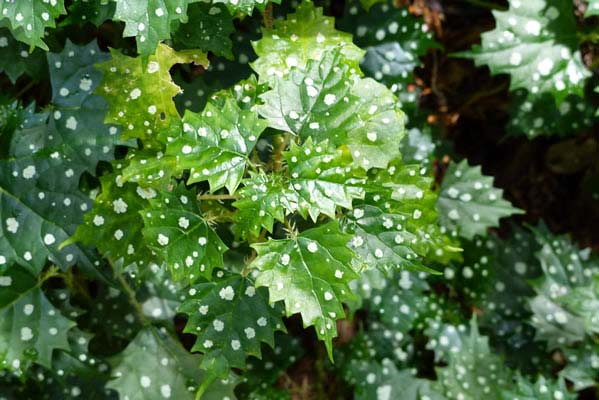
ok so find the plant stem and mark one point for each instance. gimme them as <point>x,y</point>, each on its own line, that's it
<point>131,295</point>
<point>267,16</point>
<point>52,272</point>
<point>260,239</point>
<point>25,89</point>
<point>218,197</point>
<point>279,144</point>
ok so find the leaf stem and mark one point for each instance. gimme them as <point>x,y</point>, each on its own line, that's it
<point>218,197</point>
<point>52,272</point>
<point>267,16</point>
<point>132,299</point>
<point>25,89</point>
<point>260,239</point>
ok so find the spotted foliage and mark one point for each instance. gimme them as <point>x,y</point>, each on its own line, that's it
<point>469,203</point>
<point>532,43</point>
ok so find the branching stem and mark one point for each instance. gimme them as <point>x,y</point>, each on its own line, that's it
<point>132,299</point>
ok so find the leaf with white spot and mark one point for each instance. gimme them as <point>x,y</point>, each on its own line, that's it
<point>263,200</point>
<point>564,308</point>
<point>533,42</point>
<point>396,226</point>
<point>418,146</point>
<point>472,369</point>
<point>31,328</point>
<point>496,277</point>
<point>175,229</point>
<point>593,8</point>
<point>538,116</point>
<point>396,303</point>
<point>72,128</point>
<point>28,19</point>
<point>273,365</point>
<point>469,203</point>
<point>16,60</point>
<point>215,144</point>
<point>324,101</point>
<point>582,368</point>
<point>246,6</point>
<point>40,208</point>
<point>231,318</point>
<point>150,21</point>
<point>584,301</point>
<point>542,389</point>
<point>40,201</point>
<point>76,122</point>
<point>305,35</point>
<point>208,28</point>
<point>384,241</point>
<point>310,273</point>
<point>155,366</point>
<point>114,224</point>
<point>321,179</point>
<point>394,41</point>
<point>383,381</point>
<point>89,11</point>
<point>140,95</point>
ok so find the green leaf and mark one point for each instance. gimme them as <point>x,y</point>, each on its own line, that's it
<point>231,319</point>
<point>40,209</point>
<point>584,301</point>
<point>310,273</point>
<point>505,267</point>
<point>533,42</point>
<point>272,366</point>
<point>305,35</point>
<point>473,371</point>
<point>568,278</point>
<point>469,203</point>
<point>28,19</point>
<point>140,96</point>
<point>383,241</point>
<point>321,179</point>
<point>16,59</point>
<point>582,368</point>
<point>155,366</point>
<point>208,28</point>
<point>325,102</point>
<point>76,125</point>
<point>542,389</point>
<point>150,21</point>
<point>374,380</point>
<point>114,223</point>
<point>12,115</point>
<point>418,146</point>
<point>93,11</point>
<point>396,226</point>
<point>593,8</point>
<point>540,116</point>
<point>264,199</point>
<point>215,144</point>
<point>245,6</point>
<point>396,304</point>
<point>40,201</point>
<point>221,74</point>
<point>175,229</point>
<point>394,41</point>
<point>31,328</point>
